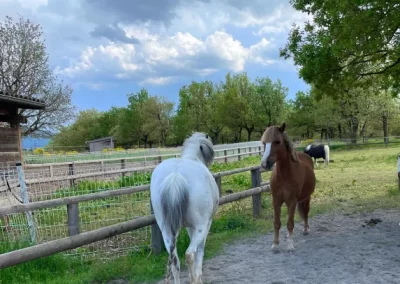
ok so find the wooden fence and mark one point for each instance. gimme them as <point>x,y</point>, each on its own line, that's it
<point>398,169</point>
<point>77,239</point>
<point>69,172</point>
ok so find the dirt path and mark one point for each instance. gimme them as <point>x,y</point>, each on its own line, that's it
<point>338,250</point>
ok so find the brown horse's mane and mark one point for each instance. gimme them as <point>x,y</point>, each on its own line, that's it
<point>269,135</point>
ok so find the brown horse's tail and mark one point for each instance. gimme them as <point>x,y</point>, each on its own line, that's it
<point>303,206</point>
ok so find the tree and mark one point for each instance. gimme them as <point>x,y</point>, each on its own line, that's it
<point>385,107</point>
<point>347,44</point>
<point>301,117</point>
<point>199,110</point>
<point>136,118</point>
<point>241,107</point>
<point>272,97</point>
<point>214,122</point>
<point>24,71</point>
<point>158,113</point>
<point>86,127</point>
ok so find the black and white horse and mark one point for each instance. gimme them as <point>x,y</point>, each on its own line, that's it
<point>318,151</point>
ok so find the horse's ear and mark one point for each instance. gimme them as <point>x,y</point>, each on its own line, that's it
<point>283,127</point>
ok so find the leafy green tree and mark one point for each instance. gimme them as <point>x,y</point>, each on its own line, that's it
<point>385,107</point>
<point>302,118</point>
<point>158,113</point>
<point>348,44</point>
<point>88,126</point>
<point>272,96</point>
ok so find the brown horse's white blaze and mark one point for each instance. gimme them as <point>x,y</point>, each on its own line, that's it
<point>292,180</point>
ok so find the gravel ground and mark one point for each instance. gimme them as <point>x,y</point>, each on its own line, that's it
<point>339,249</point>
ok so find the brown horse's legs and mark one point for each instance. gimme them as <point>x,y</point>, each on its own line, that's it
<point>306,209</point>
<point>277,223</point>
<point>290,224</point>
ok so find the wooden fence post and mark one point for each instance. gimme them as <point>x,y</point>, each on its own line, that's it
<point>398,169</point>
<point>250,151</point>
<point>239,156</point>
<point>51,170</point>
<point>71,170</point>
<point>157,242</point>
<point>255,182</point>
<point>226,158</point>
<point>25,199</point>
<point>219,183</point>
<point>259,150</point>
<point>159,159</point>
<point>123,165</point>
<point>73,219</point>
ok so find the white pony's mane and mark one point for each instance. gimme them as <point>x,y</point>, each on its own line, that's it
<point>198,147</point>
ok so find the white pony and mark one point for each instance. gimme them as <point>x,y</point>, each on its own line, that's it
<point>184,194</point>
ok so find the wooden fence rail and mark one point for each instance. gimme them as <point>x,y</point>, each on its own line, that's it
<point>77,239</point>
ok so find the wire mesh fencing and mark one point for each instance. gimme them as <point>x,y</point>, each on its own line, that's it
<point>49,224</point>
<point>73,179</point>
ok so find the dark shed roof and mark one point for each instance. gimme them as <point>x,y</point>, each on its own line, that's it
<point>22,101</point>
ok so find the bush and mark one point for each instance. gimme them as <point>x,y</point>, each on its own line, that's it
<point>38,151</point>
<point>306,142</point>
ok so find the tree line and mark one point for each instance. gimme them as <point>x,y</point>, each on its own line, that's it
<point>349,54</point>
<point>235,110</point>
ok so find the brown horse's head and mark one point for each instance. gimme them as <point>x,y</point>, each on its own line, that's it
<point>276,144</point>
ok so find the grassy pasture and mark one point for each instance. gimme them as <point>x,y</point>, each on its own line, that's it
<point>358,180</point>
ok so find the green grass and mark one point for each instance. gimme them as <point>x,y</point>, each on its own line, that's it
<point>358,180</point>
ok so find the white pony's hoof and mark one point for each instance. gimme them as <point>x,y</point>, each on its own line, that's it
<point>290,246</point>
<point>275,248</point>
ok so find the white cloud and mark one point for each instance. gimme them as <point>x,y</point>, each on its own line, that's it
<point>228,49</point>
<point>103,59</point>
<point>157,59</point>
<point>282,20</point>
<point>260,51</point>
<point>191,38</point>
<point>157,80</point>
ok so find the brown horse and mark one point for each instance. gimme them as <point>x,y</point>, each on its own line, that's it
<point>292,180</point>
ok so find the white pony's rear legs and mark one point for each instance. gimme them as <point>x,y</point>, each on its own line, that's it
<point>195,252</point>
<point>173,266</point>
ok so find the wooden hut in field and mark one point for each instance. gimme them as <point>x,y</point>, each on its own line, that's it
<point>10,121</point>
<point>101,143</point>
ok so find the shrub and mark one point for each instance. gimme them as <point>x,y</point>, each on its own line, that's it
<point>307,142</point>
<point>38,151</point>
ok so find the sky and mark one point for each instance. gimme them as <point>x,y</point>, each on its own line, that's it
<point>106,49</point>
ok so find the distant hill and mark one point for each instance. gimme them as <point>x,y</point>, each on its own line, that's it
<point>33,142</point>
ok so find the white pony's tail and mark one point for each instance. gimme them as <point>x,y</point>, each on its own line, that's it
<point>174,201</point>
<point>326,149</point>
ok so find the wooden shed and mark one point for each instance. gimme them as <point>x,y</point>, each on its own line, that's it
<point>101,143</point>
<point>10,120</point>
